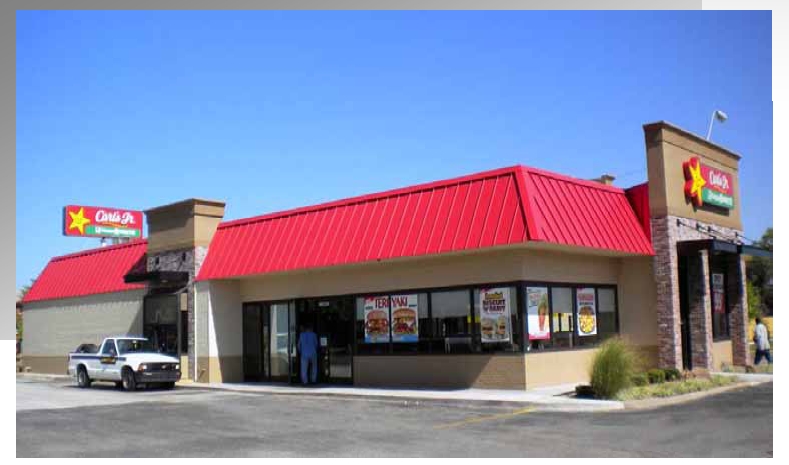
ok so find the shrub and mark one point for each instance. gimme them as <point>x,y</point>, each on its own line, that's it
<point>656,376</point>
<point>639,379</point>
<point>672,374</point>
<point>612,368</point>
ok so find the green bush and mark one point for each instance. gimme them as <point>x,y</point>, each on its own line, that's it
<point>672,374</point>
<point>612,368</point>
<point>639,379</point>
<point>656,376</point>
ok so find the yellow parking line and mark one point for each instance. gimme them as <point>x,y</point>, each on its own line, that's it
<point>485,418</point>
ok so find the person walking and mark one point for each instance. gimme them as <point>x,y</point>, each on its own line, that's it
<point>308,349</point>
<point>762,340</point>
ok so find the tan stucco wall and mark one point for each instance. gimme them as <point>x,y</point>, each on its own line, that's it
<point>57,327</point>
<point>638,301</point>
<point>183,225</point>
<point>722,354</point>
<point>56,365</point>
<point>440,371</point>
<point>484,267</point>
<point>558,367</point>
<point>667,150</point>
<point>228,369</point>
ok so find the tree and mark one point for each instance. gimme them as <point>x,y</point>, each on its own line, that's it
<point>760,272</point>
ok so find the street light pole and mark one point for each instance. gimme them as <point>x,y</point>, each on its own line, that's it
<point>716,115</point>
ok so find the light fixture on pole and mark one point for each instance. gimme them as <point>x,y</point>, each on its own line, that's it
<point>716,115</point>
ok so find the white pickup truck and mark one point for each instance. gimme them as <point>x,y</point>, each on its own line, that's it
<point>128,361</point>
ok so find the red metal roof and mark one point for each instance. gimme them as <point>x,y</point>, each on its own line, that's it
<point>94,271</point>
<point>505,206</point>
<point>577,212</point>
<point>639,199</point>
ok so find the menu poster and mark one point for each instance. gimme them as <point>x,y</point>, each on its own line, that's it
<point>405,318</point>
<point>718,297</point>
<point>587,315</point>
<point>376,319</point>
<point>537,311</point>
<point>494,305</point>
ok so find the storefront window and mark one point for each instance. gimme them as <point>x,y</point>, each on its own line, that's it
<point>160,322</point>
<point>562,317</point>
<point>606,313</point>
<point>720,311</point>
<point>451,315</point>
<point>279,340</point>
<point>496,315</point>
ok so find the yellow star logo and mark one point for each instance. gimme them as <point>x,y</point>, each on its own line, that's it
<point>78,220</point>
<point>696,181</point>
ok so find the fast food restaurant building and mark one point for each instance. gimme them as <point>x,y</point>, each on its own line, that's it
<point>508,278</point>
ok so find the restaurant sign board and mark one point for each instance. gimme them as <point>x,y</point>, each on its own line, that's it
<point>85,221</point>
<point>705,185</point>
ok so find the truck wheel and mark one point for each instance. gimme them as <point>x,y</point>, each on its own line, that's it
<point>127,380</point>
<point>82,378</point>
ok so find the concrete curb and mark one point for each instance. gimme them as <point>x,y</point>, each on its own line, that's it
<point>550,403</point>
<point>657,402</point>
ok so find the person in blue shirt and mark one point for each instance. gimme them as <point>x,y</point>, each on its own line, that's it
<point>308,349</point>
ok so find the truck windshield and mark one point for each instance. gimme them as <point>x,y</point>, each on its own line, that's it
<point>128,346</point>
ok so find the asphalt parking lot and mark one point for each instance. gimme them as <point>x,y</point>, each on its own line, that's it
<point>58,419</point>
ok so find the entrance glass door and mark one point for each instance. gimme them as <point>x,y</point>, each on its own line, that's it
<point>332,321</point>
<point>267,332</point>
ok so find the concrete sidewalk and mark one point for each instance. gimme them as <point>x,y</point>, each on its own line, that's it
<point>547,399</point>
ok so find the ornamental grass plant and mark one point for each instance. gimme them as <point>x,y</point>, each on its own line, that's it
<point>612,369</point>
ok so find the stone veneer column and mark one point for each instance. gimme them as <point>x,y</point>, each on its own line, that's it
<point>738,309</point>
<point>700,311</point>
<point>667,283</point>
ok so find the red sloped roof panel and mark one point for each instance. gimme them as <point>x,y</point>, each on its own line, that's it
<point>500,207</point>
<point>95,271</point>
<point>584,213</point>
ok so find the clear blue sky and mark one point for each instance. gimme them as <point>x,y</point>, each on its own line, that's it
<point>272,110</point>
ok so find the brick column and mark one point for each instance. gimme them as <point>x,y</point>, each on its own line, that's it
<point>667,285</point>
<point>738,309</point>
<point>700,307</point>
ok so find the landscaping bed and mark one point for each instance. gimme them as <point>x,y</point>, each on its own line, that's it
<point>674,388</point>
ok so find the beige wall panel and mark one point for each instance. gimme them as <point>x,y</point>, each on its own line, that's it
<point>224,322</point>
<point>491,266</point>
<point>440,371</point>
<point>43,364</point>
<point>722,354</point>
<point>56,327</point>
<point>558,367</point>
<point>225,369</point>
<point>638,301</point>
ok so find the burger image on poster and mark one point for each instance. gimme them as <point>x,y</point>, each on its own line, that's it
<point>404,321</point>
<point>488,326</point>
<point>377,324</point>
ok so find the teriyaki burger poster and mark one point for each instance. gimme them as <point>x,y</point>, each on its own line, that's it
<point>376,319</point>
<point>494,305</point>
<point>405,318</point>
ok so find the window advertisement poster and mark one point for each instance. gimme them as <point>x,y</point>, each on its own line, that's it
<point>376,319</point>
<point>405,318</point>
<point>718,293</point>
<point>495,314</point>
<point>587,315</point>
<point>537,311</point>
